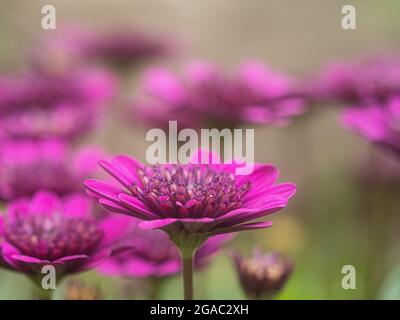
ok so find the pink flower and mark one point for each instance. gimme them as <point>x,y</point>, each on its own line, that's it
<point>29,166</point>
<point>75,46</point>
<point>207,97</point>
<point>49,230</point>
<point>191,202</point>
<point>377,123</point>
<point>149,253</point>
<point>43,105</point>
<point>374,80</point>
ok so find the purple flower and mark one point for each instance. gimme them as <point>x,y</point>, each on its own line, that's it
<point>125,48</point>
<point>379,124</point>
<point>149,253</point>
<point>74,46</point>
<point>42,105</point>
<point>191,201</point>
<point>374,80</point>
<point>49,230</point>
<point>206,97</point>
<point>262,276</point>
<point>29,166</point>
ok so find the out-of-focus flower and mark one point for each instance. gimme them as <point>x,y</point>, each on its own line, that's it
<point>41,105</point>
<point>262,275</point>
<point>194,201</point>
<point>126,48</point>
<point>149,253</point>
<point>374,80</point>
<point>206,97</point>
<point>75,46</point>
<point>378,123</point>
<point>29,166</point>
<point>49,230</point>
<point>78,290</point>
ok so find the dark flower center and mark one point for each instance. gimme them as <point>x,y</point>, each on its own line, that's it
<point>52,237</point>
<point>184,191</point>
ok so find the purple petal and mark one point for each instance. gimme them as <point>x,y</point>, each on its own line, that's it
<point>45,202</point>
<point>157,224</point>
<point>78,206</point>
<point>244,227</point>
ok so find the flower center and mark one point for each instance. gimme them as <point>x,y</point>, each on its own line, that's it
<point>184,191</point>
<point>52,237</point>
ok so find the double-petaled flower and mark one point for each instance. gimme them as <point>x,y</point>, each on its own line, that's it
<point>61,232</point>
<point>372,80</point>
<point>207,97</point>
<point>28,166</point>
<point>379,123</point>
<point>43,105</point>
<point>150,253</point>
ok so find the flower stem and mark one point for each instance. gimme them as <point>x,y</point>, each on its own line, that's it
<point>43,294</point>
<point>187,262</point>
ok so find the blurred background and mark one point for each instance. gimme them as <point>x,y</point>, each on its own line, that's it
<point>326,226</point>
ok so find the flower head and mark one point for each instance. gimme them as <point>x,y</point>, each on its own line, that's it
<point>193,201</point>
<point>43,105</point>
<point>378,123</point>
<point>373,80</point>
<point>206,97</point>
<point>149,253</point>
<point>29,166</point>
<point>75,46</point>
<point>262,276</point>
<point>49,230</point>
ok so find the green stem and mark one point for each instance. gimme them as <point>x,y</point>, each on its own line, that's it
<point>43,294</point>
<point>155,286</point>
<point>187,261</point>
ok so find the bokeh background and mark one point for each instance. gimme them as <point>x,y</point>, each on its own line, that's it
<point>328,224</point>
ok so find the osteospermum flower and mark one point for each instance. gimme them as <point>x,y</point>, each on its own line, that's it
<point>150,253</point>
<point>373,80</point>
<point>46,105</point>
<point>380,124</point>
<point>207,97</point>
<point>191,202</point>
<point>29,166</point>
<point>262,275</point>
<point>74,46</point>
<point>49,230</point>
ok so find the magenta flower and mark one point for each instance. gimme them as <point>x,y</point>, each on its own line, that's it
<point>191,202</point>
<point>380,124</point>
<point>75,46</point>
<point>149,253</point>
<point>262,276</point>
<point>44,105</point>
<point>29,166</point>
<point>125,48</point>
<point>49,230</point>
<point>206,97</point>
<point>372,80</point>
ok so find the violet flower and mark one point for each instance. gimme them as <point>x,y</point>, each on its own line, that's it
<point>49,230</point>
<point>191,202</point>
<point>372,80</point>
<point>29,166</point>
<point>75,46</point>
<point>379,124</point>
<point>207,97</point>
<point>262,276</point>
<point>43,105</point>
<point>150,253</point>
